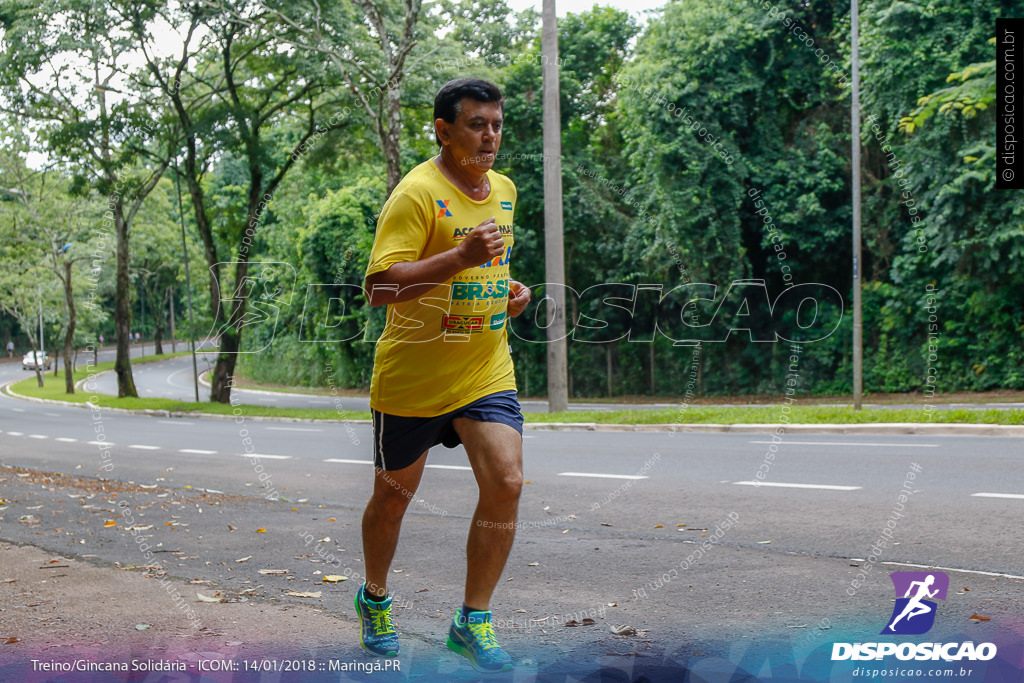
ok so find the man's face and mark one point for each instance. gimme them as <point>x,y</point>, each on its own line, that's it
<point>475,136</point>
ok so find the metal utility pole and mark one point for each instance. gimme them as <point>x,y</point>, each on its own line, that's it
<point>554,257</point>
<point>858,376</point>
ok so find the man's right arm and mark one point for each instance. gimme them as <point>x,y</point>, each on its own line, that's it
<point>408,280</point>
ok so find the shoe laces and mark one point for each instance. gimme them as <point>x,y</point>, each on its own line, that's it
<point>381,617</point>
<point>484,635</point>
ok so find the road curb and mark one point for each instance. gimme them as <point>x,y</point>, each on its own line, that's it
<point>931,429</point>
<point>909,428</point>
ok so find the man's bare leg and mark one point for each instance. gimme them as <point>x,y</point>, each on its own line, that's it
<point>496,455</point>
<point>382,521</point>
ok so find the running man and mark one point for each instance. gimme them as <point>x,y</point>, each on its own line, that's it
<point>442,372</point>
<point>915,606</point>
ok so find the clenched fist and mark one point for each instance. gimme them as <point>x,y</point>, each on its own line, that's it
<point>518,296</point>
<point>482,244</point>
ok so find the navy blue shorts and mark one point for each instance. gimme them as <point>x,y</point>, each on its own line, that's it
<point>399,441</point>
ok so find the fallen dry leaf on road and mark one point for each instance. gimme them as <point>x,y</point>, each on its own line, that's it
<point>301,594</point>
<point>110,523</point>
<point>244,559</point>
<point>207,598</point>
<point>659,526</point>
<point>533,564</point>
<point>623,630</point>
<point>978,618</point>
<point>572,623</point>
<point>588,622</point>
<point>335,578</point>
<point>261,531</point>
<point>11,641</point>
<point>274,572</point>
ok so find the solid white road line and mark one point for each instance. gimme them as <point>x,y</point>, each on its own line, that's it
<point>826,487</point>
<point>450,467</point>
<point>292,429</point>
<point>853,443</point>
<point>345,461</point>
<point>196,451</point>
<point>953,569</point>
<point>263,455</point>
<point>143,447</point>
<point>601,476</point>
<point>1015,496</point>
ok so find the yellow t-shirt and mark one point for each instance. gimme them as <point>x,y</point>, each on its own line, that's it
<point>449,347</point>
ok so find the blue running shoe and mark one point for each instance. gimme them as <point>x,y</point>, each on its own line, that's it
<point>376,632</point>
<point>472,636</point>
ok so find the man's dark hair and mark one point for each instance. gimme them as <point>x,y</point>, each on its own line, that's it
<point>449,98</point>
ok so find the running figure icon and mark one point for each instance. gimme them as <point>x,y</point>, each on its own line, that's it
<point>916,593</point>
<point>915,606</point>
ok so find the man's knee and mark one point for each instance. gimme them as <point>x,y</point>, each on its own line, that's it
<point>391,501</point>
<point>506,488</point>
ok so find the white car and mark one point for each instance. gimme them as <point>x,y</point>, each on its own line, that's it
<point>34,359</point>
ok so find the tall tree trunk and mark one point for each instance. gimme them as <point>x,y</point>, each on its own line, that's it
<point>69,334</point>
<point>170,308</point>
<point>122,305</point>
<point>391,140</point>
<point>158,336</point>
<point>224,371</point>
<point>608,366</point>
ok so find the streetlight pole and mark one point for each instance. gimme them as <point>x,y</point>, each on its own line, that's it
<point>858,323</point>
<point>554,256</point>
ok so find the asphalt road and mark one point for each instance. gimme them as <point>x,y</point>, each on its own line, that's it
<point>599,524</point>
<point>174,379</point>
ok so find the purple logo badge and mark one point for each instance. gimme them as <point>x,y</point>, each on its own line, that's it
<point>913,613</point>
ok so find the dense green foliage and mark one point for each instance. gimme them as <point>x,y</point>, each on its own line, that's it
<point>709,145</point>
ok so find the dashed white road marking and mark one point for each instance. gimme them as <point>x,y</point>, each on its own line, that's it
<point>66,439</point>
<point>16,433</point>
<point>450,467</point>
<point>38,436</point>
<point>292,429</point>
<point>143,447</point>
<point>108,444</point>
<point>953,569</point>
<point>854,443</point>
<point>826,487</point>
<point>601,476</point>
<point>264,455</point>
<point>1016,496</point>
<point>196,451</point>
<point>346,461</point>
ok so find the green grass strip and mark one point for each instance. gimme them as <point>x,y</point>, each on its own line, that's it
<point>688,413</point>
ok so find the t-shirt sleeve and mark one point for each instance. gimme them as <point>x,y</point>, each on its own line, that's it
<point>402,233</point>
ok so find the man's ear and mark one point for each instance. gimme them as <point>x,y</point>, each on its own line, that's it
<point>441,129</point>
